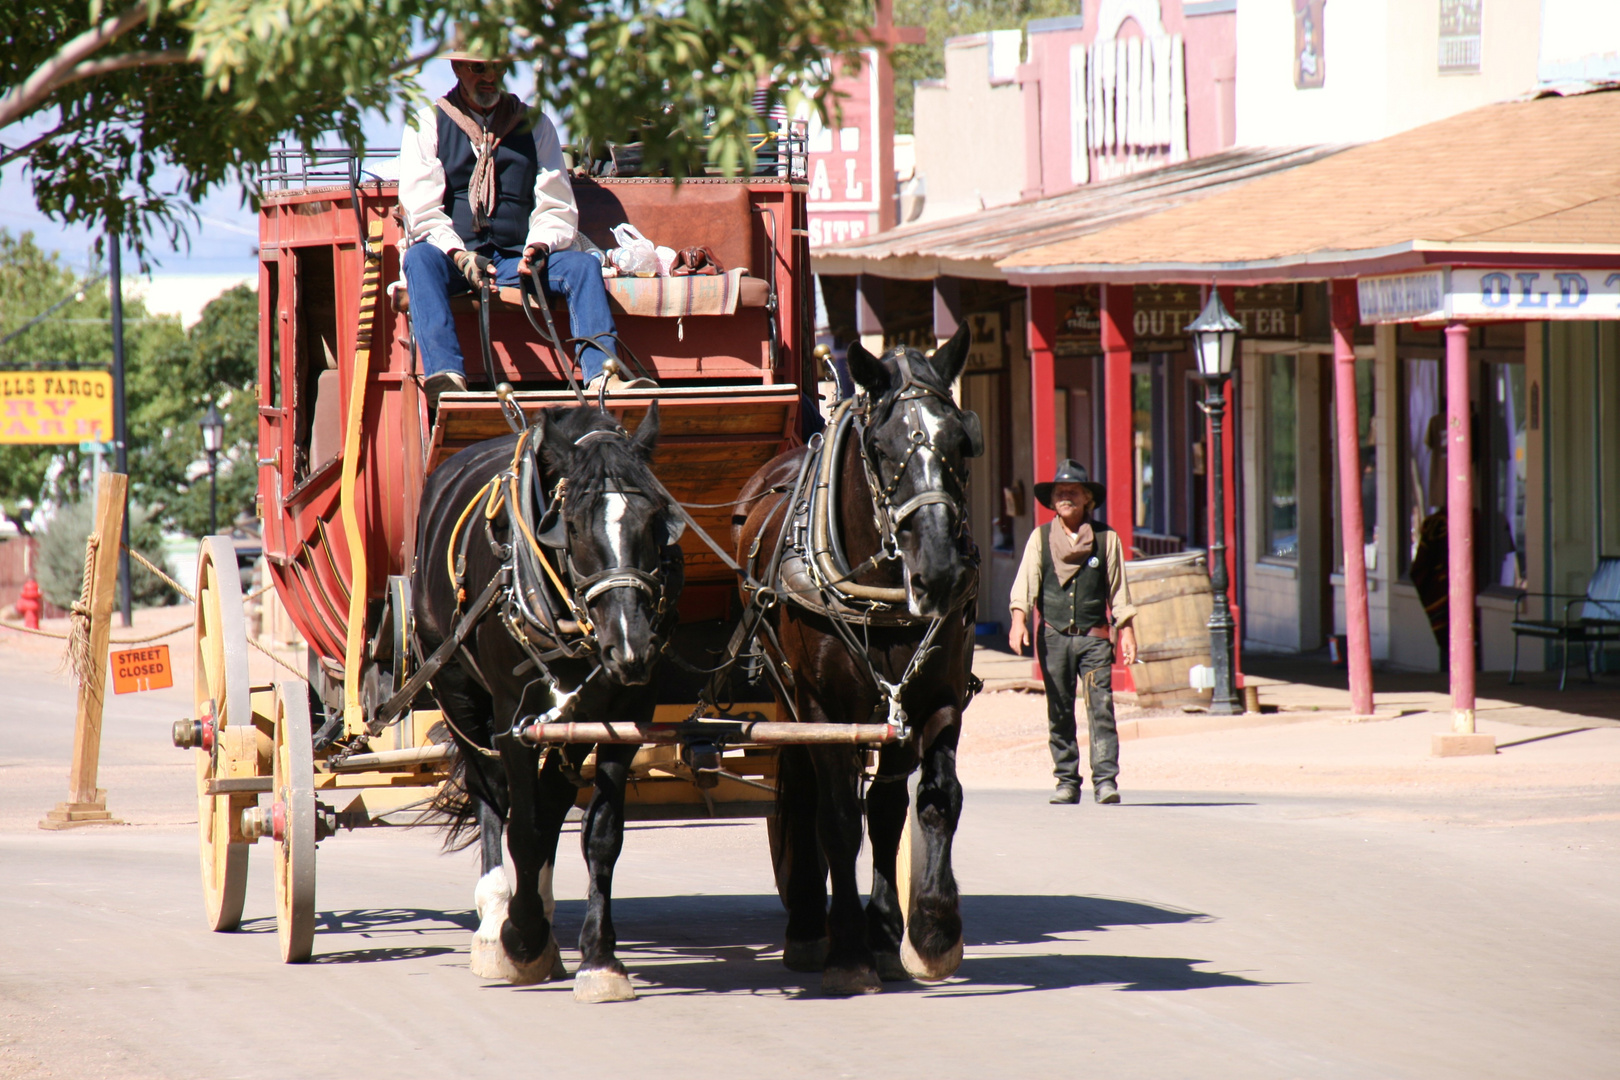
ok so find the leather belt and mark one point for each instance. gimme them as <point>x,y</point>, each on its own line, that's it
<point>1075,631</point>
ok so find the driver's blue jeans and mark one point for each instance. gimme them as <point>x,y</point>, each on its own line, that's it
<point>432,278</point>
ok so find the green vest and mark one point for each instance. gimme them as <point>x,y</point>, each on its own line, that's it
<point>1084,604</point>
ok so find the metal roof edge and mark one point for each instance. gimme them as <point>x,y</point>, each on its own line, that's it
<point>907,267</point>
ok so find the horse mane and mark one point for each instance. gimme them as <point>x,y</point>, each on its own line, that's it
<point>591,465</point>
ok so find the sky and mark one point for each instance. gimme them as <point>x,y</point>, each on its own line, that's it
<point>222,243</point>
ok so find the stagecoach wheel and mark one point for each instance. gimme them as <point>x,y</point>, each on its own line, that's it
<point>224,706</point>
<point>293,822</point>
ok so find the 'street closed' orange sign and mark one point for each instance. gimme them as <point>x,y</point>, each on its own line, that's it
<point>55,406</point>
<point>142,669</point>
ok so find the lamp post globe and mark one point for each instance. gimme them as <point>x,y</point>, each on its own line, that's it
<point>1214,341</point>
<point>213,436</point>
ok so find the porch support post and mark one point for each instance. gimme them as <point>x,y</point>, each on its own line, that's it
<point>1042,390</point>
<point>1460,529</point>
<point>1462,739</point>
<point>947,307</point>
<point>1118,339</point>
<point>1345,314</point>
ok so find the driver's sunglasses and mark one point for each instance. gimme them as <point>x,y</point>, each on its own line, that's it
<point>479,67</point>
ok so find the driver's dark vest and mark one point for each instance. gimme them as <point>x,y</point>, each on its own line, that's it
<point>517,164</point>
<point>1084,604</point>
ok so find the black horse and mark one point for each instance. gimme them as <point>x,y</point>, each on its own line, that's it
<point>570,512</point>
<point>896,487</point>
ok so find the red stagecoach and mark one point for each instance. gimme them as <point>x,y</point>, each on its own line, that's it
<point>346,440</point>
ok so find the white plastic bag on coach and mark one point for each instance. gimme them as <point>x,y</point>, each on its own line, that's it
<point>635,254</point>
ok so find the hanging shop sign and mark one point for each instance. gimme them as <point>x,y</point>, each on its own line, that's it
<point>55,406</point>
<point>1447,294</point>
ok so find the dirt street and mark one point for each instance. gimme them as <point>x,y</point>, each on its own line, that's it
<point>1316,899</point>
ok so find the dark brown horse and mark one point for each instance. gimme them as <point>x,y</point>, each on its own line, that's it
<point>897,638</point>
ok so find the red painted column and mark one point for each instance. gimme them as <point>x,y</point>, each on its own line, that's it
<point>1345,314</point>
<point>1118,338</point>
<point>1460,529</point>
<point>1230,461</point>
<point>1042,390</point>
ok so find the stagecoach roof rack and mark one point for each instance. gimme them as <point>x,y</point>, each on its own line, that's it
<point>297,167</point>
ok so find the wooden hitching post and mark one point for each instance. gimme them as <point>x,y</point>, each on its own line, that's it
<point>87,804</point>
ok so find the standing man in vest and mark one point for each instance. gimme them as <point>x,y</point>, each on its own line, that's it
<point>1073,573</point>
<point>486,196</point>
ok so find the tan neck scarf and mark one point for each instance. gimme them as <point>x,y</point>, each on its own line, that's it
<point>1070,553</point>
<point>485,131</point>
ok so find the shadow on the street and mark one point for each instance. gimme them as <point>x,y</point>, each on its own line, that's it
<point>1536,689</point>
<point>373,956</point>
<point>1133,802</point>
<point>362,920</point>
<point>731,944</point>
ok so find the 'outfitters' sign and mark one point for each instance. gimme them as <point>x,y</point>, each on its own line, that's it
<point>1446,294</point>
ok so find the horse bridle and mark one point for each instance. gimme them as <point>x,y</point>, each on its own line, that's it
<point>588,587</point>
<point>911,391</point>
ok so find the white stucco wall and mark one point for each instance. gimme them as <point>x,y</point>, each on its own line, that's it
<point>970,130</point>
<point>1382,69</point>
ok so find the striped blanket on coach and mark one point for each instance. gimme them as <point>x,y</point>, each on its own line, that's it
<point>714,294</point>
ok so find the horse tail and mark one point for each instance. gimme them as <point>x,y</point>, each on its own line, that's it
<point>454,808</point>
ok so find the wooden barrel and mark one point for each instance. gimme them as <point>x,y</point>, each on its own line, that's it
<point>1172,598</point>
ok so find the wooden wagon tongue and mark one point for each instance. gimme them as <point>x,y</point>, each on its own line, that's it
<point>717,732</point>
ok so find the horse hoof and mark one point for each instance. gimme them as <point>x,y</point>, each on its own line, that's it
<point>930,969</point>
<point>542,968</point>
<point>890,968</point>
<point>848,982</point>
<point>602,984</point>
<point>489,961</point>
<point>805,955</point>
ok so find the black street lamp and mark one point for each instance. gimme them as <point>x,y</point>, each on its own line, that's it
<point>1214,335</point>
<point>213,435</point>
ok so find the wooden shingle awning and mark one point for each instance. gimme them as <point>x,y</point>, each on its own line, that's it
<point>969,246</point>
<point>1519,184</point>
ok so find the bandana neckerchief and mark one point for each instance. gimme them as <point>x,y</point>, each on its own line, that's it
<point>500,120</point>
<point>1069,554</point>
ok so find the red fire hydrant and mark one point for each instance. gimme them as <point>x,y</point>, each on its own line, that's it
<point>28,605</point>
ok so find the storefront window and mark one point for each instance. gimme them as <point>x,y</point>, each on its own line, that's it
<point>1281,512</point>
<point>1367,447</point>
<point>1423,481</point>
<point>1142,441</point>
<point>1505,437</point>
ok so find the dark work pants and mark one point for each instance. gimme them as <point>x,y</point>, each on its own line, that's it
<point>1088,661</point>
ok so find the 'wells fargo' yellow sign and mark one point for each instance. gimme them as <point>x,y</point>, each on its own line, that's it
<point>55,406</point>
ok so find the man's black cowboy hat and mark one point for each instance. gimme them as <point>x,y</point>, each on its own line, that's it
<point>1070,471</point>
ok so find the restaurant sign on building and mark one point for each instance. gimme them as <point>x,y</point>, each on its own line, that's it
<point>845,159</point>
<point>1447,294</point>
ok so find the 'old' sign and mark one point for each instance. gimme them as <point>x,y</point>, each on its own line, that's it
<point>142,669</point>
<point>55,406</point>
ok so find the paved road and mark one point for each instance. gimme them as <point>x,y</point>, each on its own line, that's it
<point>1183,934</point>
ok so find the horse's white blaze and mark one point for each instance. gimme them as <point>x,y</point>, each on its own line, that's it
<point>614,505</point>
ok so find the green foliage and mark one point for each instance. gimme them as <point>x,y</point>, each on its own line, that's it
<point>61,556</point>
<point>213,83</point>
<point>170,377</point>
<point>77,334</point>
<point>169,391</point>
<point>944,19</point>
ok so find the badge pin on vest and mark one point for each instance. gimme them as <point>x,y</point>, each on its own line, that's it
<point>1093,563</point>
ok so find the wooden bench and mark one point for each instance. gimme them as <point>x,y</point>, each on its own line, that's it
<point>1597,623</point>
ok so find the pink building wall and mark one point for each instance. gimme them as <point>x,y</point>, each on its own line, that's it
<point>1208,30</point>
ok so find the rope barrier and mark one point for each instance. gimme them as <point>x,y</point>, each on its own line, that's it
<point>77,657</point>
